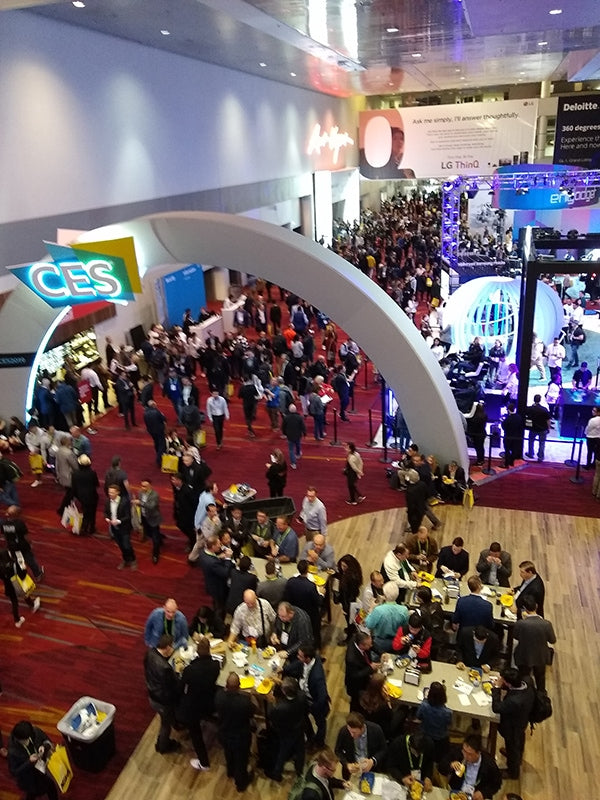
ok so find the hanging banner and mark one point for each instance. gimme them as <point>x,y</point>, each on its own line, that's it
<point>440,141</point>
<point>84,273</point>
<point>577,141</point>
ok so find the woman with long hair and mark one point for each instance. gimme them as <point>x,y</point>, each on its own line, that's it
<point>377,706</point>
<point>435,717</point>
<point>349,575</point>
<point>276,473</point>
<point>353,472</point>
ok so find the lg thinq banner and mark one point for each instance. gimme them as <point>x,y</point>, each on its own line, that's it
<point>577,141</point>
<point>439,141</point>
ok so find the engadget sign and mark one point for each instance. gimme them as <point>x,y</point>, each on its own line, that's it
<point>84,273</point>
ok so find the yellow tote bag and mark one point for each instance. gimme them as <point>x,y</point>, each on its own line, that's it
<point>230,389</point>
<point>468,499</point>
<point>169,463</point>
<point>200,438</point>
<point>24,586</point>
<point>36,462</point>
<point>59,766</point>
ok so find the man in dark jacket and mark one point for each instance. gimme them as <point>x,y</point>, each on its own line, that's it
<point>359,666</point>
<point>513,428</point>
<point>26,746</point>
<point>161,683</point>
<point>410,754</point>
<point>308,669</point>
<point>513,698</point>
<point>319,779</point>
<point>533,635</point>
<point>293,428</point>
<point>531,585</point>
<point>184,508</point>
<point>198,689</point>
<point>117,512</point>
<point>155,425</point>
<point>360,746</point>
<point>286,718</point>
<point>471,770</point>
<point>216,565</point>
<point>292,628</point>
<point>494,566</point>
<point>302,592</point>
<point>477,648</point>
<point>235,711</point>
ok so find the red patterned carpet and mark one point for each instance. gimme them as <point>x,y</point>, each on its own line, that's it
<point>87,637</point>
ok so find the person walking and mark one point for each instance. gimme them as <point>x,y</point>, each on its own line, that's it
<point>217,412</point>
<point>235,711</point>
<point>117,513</point>
<point>161,683</point>
<point>9,567</point>
<point>276,473</point>
<point>353,472</point>
<point>155,422</point>
<point>85,489</point>
<point>148,503</point>
<point>293,428</point>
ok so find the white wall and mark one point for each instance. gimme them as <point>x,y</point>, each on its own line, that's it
<point>90,121</point>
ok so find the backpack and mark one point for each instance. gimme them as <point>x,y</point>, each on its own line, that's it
<point>299,320</point>
<point>301,783</point>
<point>541,708</point>
<point>13,473</point>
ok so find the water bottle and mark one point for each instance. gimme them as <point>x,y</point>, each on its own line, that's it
<point>277,568</point>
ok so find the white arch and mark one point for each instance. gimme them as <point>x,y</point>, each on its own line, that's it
<point>324,279</point>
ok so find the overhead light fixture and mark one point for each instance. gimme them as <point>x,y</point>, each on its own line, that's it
<point>392,29</point>
<point>293,74</point>
<point>78,3</point>
<point>165,32</point>
<point>462,77</point>
<point>262,64</point>
<point>542,44</point>
<point>456,69</point>
<point>521,73</point>
<point>555,11</point>
<point>417,55</point>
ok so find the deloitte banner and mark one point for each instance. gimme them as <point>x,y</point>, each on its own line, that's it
<point>84,273</point>
<point>577,141</point>
<point>440,141</point>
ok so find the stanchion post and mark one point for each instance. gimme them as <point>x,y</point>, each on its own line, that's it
<point>570,462</point>
<point>371,441</point>
<point>335,441</point>
<point>367,374</point>
<point>489,470</point>
<point>577,477</point>
<point>383,425</point>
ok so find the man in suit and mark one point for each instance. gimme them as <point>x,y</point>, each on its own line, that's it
<point>531,585</point>
<point>513,427</point>
<point>300,591</point>
<point>286,717</point>
<point>148,503</point>
<point>360,746</point>
<point>494,566</point>
<point>292,628</point>
<point>513,699</point>
<point>308,670</point>
<point>533,635</point>
<point>471,770</point>
<point>216,565</point>
<point>359,666</point>
<point>117,512</point>
<point>161,683</point>
<point>155,421</point>
<point>478,648</point>
<point>235,711</point>
<point>184,508</point>
<point>473,609</point>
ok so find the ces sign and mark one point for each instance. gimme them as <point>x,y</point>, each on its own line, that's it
<point>84,273</point>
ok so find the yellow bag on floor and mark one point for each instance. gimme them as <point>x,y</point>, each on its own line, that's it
<point>468,498</point>
<point>169,463</point>
<point>230,390</point>
<point>59,766</point>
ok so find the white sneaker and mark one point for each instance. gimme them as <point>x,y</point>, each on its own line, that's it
<point>195,763</point>
<point>20,622</point>
<point>36,483</point>
<point>36,604</point>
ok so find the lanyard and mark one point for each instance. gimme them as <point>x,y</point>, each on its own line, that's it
<point>410,758</point>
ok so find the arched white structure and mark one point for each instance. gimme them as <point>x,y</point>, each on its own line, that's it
<point>354,301</point>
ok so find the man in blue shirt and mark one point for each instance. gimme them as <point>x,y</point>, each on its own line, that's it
<point>284,544</point>
<point>473,609</point>
<point>167,619</point>
<point>385,619</point>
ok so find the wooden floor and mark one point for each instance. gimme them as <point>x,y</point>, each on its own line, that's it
<point>562,756</point>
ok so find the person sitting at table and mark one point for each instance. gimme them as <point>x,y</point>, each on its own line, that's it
<point>252,619</point>
<point>473,609</point>
<point>198,688</point>
<point>410,758</point>
<point>471,770</point>
<point>167,619</point>
<point>240,580</point>
<point>435,718</point>
<point>396,567</point>
<point>376,706</point>
<point>261,533</point>
<point>414,641</point>
<point>206,623</point>
<point>292,628</point>
<point>360,746</point>
<point>434,621</point>
<point>319,553</point>
<point>319,779</point>
<point>532,585</point>
<point>284,544</point>
<point>422,549</point>
<point>385,619</point>
<point>453,560</point>
<point>478,648</point>
<point>494,566</point>
<point>373,593</point>
<point>453,483</point>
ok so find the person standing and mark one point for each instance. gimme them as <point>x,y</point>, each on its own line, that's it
<point>316,409</point>
<point>293,428</point>
<point>308,669</point>
<point>540,425</point>
<point>216,565</point>
<point>235,711</point>
<point>556,354</point>
<point>66,465</point>
<point>217,412</point>
<point>359,667</point>
<point>512,699</point>
<point>249,398</point>
<point>161,683</point>
<point>117,513</point>
<point>126,397</point>
<point>533,635</point>
<point>592,438</point>
<point>313,514</point>
<point>198,689</point>
<point>353,472</point>
<point>276,473</point>
<point>28,746</point>
<point>9,567</point>
<point>148,503</point>
<point>286,718</point>
<point>155,421</point>
<point>513,428</point>
<point>85,483</point>
<point>184,508</point>
<point>477,431</point>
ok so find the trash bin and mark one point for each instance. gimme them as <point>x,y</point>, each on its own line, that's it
<point>272,506</point>
<point>89,733</point>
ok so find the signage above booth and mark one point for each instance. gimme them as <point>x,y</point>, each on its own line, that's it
<point>84,273</point>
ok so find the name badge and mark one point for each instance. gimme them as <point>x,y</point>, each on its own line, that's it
<point>284,638</point>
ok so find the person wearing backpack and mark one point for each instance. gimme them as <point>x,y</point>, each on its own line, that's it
<point>318,782</point>
<point>513,698</point>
